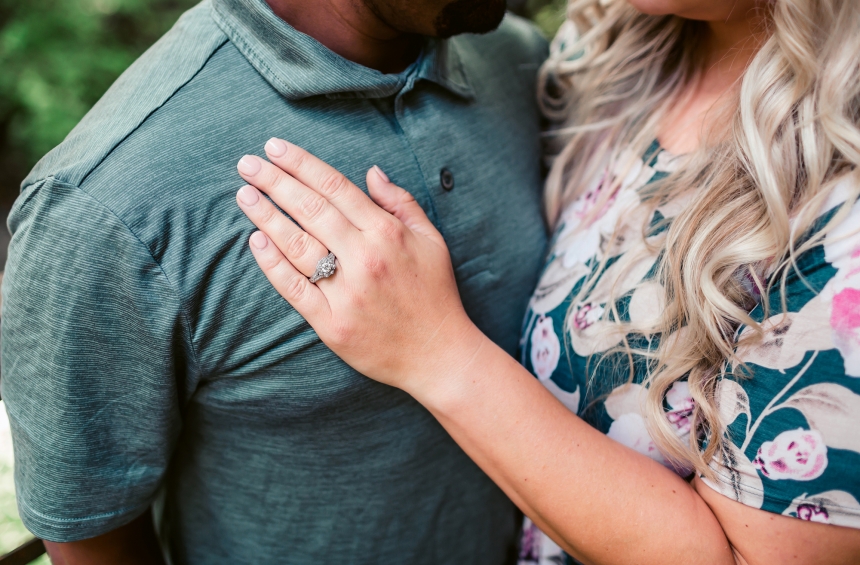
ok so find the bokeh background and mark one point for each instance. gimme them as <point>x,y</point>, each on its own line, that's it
<point>57,57</point>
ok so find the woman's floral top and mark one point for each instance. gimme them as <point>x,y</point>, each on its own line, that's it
<point>793,427</point>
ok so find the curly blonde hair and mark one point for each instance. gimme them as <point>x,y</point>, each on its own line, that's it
<point>793,133</point>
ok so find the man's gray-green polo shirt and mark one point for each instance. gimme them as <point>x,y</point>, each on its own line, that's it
<point>145,356</point>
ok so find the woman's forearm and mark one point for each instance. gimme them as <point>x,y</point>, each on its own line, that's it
<point>602,502</point>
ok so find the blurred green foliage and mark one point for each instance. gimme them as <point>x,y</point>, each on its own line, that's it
<point>57,57</point>
<point>547,14</point>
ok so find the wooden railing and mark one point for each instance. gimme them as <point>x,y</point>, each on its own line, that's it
<point>24,554</point>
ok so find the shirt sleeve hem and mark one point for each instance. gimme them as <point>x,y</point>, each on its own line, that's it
<point>836,514</point>
<point>64,530</point>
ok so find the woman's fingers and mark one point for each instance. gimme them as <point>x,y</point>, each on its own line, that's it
<point>299,247</point>
<point>307,207</point>
<point>305,297</point>
<point>400,204</point>
<point>325,180</point>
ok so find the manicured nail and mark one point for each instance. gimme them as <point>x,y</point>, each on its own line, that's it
<point>259,240</point>
<point>275,147</point>
<point>249,165</point>
<point>379,172</point>
<point>248,195</point>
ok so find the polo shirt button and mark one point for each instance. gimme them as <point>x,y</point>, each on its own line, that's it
<point>446,179</point>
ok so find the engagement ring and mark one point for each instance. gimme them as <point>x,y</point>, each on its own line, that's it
<point>325,268</point>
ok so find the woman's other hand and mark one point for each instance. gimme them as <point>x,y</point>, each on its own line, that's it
<point>392,305</point>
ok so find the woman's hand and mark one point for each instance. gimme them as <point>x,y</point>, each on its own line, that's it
<point>392,311</point>
<point>392,305</point>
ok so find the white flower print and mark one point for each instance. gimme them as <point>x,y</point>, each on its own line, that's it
<point>813,513</point>
<point>626,405</point>
<point>835,507</point>
<point>787,337</point>
<point>569,399</point>
<point>830,320</point>
<point>625,399</point>
<point>732,401</point>
<point>667,162</point>
<point>590,238</point>
<point>536,548</point>
<point>546,348</point>
<point>647,303</point>
<point>736,477</point>
<point>586,314</point>
<point>827,407</point>
<point>577,244</point>
<point>555,286</point>
<point>602,223</point>
<point>630,430</point>
<point>799,455</point>
<point>626,274</point>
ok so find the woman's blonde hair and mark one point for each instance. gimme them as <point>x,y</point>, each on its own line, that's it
<point>759,183</point>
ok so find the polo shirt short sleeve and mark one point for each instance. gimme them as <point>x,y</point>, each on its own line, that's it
<point>93,337</point>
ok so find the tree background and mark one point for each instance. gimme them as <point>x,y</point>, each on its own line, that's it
<point>57,57</point>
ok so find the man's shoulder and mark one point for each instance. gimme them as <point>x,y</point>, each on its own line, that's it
<point>143,88</point>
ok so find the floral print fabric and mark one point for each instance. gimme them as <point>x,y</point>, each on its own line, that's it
<point>793,426</point>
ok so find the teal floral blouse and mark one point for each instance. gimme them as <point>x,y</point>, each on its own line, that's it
<point>793,427</point>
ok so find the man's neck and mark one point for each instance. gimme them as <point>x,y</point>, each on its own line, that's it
<point>352,30</point>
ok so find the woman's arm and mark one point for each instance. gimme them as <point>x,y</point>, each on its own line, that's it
<point>392,311</point>
<point>601,501</point>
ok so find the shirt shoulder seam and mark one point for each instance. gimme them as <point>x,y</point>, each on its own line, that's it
<point>182,309</point>
<point>78,156</point>
<point>146,118</point>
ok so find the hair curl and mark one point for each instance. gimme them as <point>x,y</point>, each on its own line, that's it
<point>793,133</point>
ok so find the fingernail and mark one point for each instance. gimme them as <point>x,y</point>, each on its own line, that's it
<point>249,165</point>
<point>379,172</point>
<point>275,147</point>
<point>259,240</point>
<point>248,195</point>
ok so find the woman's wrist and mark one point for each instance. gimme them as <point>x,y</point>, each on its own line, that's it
<point>451,359</point>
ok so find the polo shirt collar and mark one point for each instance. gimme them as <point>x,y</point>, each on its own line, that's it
<point>299,66</point>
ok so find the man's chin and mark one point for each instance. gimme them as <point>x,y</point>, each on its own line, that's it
<point>470,16</point>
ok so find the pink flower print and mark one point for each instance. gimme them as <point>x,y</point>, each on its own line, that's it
<point>845,326</point>
<point>586,315</point>
<point>546,348</point>
<point>593,225</point>
<point>842,251</point>
<point>682,406</point>
<point>536,548</point>
<point>530,543</point>
<point>585,204</point>
<point>813,513</point>
<point>800,455</point>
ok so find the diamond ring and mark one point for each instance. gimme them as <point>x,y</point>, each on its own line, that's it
<point>325,268</point>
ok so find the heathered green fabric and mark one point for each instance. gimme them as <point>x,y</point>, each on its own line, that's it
<point>145,356</point>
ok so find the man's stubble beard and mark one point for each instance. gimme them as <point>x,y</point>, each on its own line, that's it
<point>469,16</point>
<point>458,16</point>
